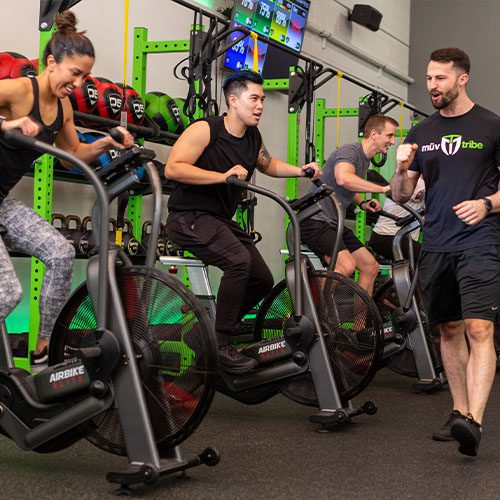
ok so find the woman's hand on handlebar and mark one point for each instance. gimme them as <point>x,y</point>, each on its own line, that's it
<point>126,139</point>
<point>25,125</point>
<point>237,171</point>
<point>311,170</point>
<point>118,138</point>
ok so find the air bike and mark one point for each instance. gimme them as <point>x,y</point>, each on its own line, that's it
<point>412,342</point>
<point>303,349</point>
<point>367,334</point>
<point>409,344</point>
<point>132,358</point>
<point>319,338</point>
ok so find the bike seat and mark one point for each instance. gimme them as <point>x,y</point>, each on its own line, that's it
<point>174,260</point>
<point>311,198</point>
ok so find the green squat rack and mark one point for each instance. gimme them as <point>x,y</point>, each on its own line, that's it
<point>301,86</point>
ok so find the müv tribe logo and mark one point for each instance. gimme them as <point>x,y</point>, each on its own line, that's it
<point>451,144</point>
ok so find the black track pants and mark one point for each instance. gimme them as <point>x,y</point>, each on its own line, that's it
<point>222,243</point>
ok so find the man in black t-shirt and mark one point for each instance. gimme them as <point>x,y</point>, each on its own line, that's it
<point>457,151</point>
<point>202,204</point>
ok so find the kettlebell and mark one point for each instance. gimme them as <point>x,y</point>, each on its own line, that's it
<point>130,242</point>
<point>146,234</point>
<point>74,228</point>
<point>112,230</point>
<point>146,237</point>
<point>59,222</point>
<point>84,245</point>
<point>172,249</point>
<point>161,247</point>
<point>86,242</point>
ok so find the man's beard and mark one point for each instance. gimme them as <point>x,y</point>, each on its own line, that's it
<point>446,99</point>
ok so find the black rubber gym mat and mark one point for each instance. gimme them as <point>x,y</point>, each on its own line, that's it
<point>271,451</point>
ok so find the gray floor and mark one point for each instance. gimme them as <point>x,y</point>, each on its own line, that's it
<point>272,451</point>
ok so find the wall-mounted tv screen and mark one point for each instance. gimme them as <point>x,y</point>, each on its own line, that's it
<point>283,21</point>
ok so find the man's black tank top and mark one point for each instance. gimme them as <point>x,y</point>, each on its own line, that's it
<point>14,163</point>
<point>222,153</point>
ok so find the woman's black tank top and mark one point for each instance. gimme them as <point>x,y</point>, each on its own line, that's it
<point>222,153</point>
<point>14,162</point>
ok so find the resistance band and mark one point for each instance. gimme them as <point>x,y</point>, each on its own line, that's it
<point>123,114</point>
<point>401,121</point>
<point>125,40</point>
<point>254,37</point>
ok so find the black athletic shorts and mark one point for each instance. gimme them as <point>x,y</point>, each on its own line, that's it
<point>462,284</point>
<point>320,236</point>
<point>382,245</point>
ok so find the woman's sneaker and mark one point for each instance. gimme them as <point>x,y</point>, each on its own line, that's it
<point>444,433</point>
<point>39,360</point>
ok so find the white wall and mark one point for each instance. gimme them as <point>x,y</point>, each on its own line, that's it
<point>103,21</point>
<point>474,29</point>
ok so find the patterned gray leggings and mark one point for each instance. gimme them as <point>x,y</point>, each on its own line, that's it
<point>30,234</point>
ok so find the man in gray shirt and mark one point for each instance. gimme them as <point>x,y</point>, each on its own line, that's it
<point>344,170</point>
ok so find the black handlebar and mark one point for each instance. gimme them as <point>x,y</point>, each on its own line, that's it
<point>130,158</point>
<point>309,172</point>
<point>15,136</point>
<point>117,135</point>
<point>389,215</point>
<point>18,138</point>
<point>403,221</point>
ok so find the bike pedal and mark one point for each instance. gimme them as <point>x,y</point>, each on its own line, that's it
<point>326,418</point>
<point>430,386</point>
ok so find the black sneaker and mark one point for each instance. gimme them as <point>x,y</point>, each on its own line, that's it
<point>444,433</point>
<point>232,361</point>
<point>468,434</point>
<point>39,360</point>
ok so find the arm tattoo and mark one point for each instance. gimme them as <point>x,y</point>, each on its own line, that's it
<point>264,159</point>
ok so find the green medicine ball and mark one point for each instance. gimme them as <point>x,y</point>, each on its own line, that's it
<point>163,110</point>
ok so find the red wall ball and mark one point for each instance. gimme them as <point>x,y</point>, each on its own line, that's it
<point>14,65</point>
<point>132,104</point>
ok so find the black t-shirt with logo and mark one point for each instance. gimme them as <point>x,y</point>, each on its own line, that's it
<point>459,158</point>
<point>222,153</point>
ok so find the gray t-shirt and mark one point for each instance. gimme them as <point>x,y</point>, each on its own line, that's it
<point>348,153</point>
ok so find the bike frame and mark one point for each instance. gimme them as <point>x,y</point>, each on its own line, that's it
<point>144,464</point>
<point>403,283</point>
